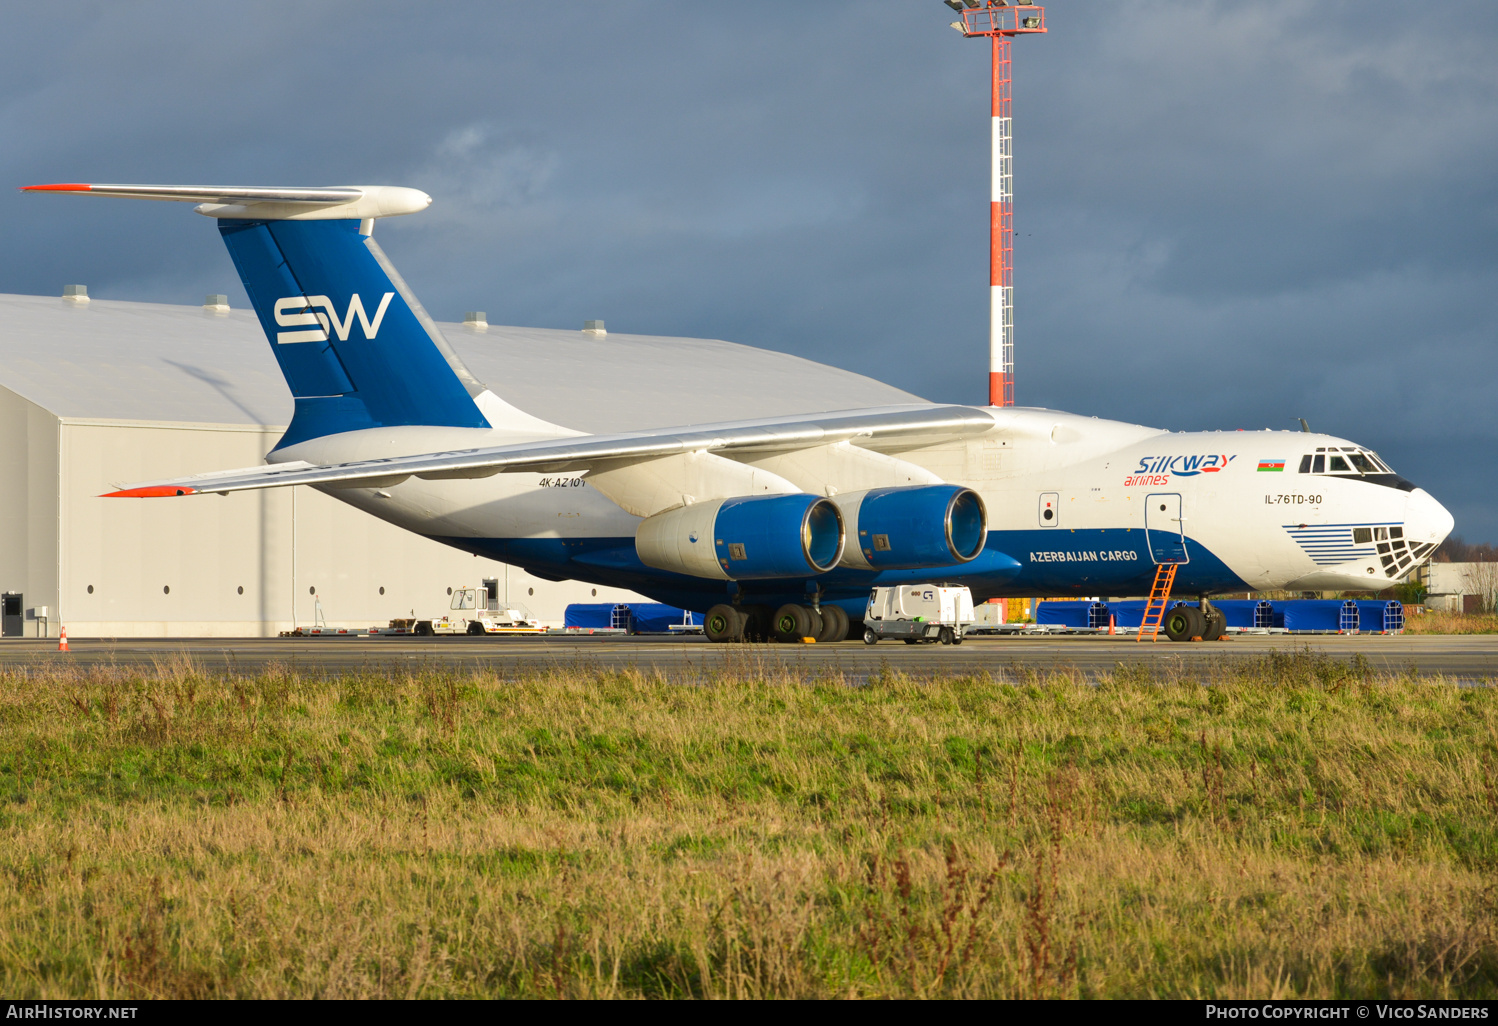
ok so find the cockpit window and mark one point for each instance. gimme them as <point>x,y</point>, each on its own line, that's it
<point>1344,460</point>
<point>1354,465</point>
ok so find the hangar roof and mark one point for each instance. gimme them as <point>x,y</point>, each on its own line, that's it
<point>111,360</point>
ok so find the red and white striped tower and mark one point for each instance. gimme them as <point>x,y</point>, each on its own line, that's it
<point>1000,22</point>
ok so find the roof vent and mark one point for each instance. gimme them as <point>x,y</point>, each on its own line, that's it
<point>594,328</point>
<point>478,320</point>
<point>75,293</point>
<point>216,304</point>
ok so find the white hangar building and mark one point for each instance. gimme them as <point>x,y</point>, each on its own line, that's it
<point>98,394</point>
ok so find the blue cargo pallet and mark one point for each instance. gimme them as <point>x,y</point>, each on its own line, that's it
<point>634,617</point>
<point>1321,616</point>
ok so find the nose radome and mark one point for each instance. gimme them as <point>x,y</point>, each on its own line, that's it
<point>1425,519</point>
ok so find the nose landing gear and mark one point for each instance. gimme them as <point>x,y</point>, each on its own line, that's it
<point>1216,622</point>
<point>1194,623</point>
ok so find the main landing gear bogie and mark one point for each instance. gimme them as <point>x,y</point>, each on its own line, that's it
<point>790,623</point>
<point>723,623</point>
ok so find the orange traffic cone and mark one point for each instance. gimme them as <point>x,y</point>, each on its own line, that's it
<point>62,641</point>
<point>1111,624</point>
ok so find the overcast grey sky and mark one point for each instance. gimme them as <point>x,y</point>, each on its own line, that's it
<point>1228,214</point>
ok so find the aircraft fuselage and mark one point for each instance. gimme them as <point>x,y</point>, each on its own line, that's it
<point>1076,506</point>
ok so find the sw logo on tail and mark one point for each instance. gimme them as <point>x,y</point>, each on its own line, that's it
<point>295,311</point>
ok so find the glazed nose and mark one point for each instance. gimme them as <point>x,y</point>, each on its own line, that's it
<point>1425,519</point>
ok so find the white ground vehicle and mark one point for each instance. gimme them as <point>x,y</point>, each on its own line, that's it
<point>917,613</point>
<point>475,611</point>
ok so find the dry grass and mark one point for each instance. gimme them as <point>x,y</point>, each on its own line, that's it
<point>1452,623</point>
<point>1299,827</point>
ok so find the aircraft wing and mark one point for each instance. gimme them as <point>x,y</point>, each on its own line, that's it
<point>892,426</point>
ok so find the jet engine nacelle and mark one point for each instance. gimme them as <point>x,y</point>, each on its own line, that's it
<point>746,538</point>
<point>913,527</point>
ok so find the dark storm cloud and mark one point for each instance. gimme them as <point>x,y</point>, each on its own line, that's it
<point>1229,215</point>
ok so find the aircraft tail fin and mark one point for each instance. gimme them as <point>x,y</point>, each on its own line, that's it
<point>355,345</point>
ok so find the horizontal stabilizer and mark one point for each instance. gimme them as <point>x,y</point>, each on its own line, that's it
<point>236,202</point>
<point>895,426</point>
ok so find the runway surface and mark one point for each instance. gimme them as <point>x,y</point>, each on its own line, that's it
<point>1471,657</point>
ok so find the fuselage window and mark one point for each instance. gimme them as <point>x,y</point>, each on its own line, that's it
<point>1339,466</point>
<point>1305,464</point>
<point>1319,465</point>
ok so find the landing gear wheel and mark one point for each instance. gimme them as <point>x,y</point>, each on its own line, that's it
<point>793,622</point>
<point>1183,623</point>
<point>945,636</point>
<point>722,624</point>
<point>474,627</point>
<point>869,637</point>
<point>834,625</point>
<point>1216,624</point>
<point>756,623</point>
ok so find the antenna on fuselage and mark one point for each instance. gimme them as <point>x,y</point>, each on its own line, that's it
<point>1303,425</point>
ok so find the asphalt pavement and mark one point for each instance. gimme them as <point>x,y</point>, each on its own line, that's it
<point>1471,657</point>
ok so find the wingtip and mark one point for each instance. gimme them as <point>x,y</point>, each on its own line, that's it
<point>59,187</point>
<point>157,492</point>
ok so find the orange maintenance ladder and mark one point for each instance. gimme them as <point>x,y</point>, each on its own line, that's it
<point>1154,609</point>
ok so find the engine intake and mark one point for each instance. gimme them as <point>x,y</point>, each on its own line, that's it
<point>914,527</point>
<point>748,538</point>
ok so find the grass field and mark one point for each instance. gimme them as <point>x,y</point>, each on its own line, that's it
<point>1452,623</point>
<point>1292,827</point>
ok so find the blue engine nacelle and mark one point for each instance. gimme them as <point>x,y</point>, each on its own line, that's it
<point>913,527</point>
<point>745,539</point>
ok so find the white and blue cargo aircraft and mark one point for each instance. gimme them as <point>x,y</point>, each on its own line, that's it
<point>775,527</point>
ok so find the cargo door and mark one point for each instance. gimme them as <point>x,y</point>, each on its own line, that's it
<point>1165,528</point>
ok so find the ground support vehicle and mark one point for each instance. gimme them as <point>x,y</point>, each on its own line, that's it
<point>475,611</point>
<point>918,613</point>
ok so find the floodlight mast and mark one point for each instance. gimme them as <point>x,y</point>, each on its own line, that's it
<point>1000,22</point>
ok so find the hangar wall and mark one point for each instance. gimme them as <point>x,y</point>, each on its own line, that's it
<point>29,524</point>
